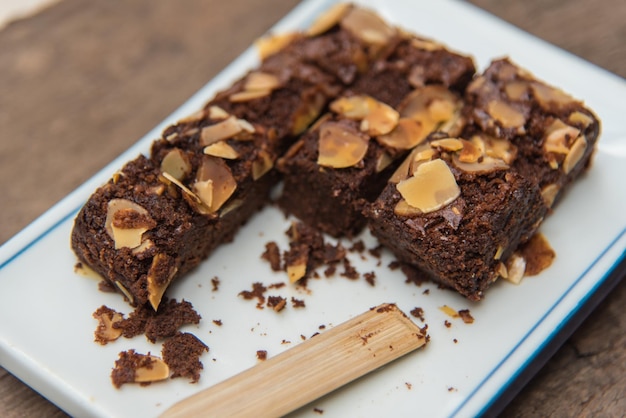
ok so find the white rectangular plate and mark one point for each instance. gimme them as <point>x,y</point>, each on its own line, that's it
<point>46,331</point>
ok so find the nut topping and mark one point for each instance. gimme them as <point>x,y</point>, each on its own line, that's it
<point>559,136</point>
<point>269,45</point>
<point>105,331</point>
<point>549,193</point>
<point>431,187</point>
<point>580,118</point>
<point>258,80</point>
<point>368,26</point>
<point>404,209</point>
<point>487,164</point>
<point>217,113</point>
<point>376,117</point>
<point>214,183</point>
<point>575,154</point>
<point>508,116</point>
<point>407,134</point>
<point>549,97</point>
<point>161,273</point>
<point>176,163</point>
<point>221,149</point>
<point>447,144</point>
<point>247,95</point>
<point>156,370</point>
<point>126,223</point>
<point>220,131</point>
<point>339,147</point>
<point>515,265</point>
<point>262,165</point>
<point>383,162</point>
<point>516,90</point>
<point>328,19</point>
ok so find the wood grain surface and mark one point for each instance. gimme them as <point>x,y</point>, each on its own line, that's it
<point>82,74</point>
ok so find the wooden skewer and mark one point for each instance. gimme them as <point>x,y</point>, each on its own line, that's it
<point>309,370</point>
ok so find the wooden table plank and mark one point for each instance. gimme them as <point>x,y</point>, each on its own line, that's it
<point>82,73</point>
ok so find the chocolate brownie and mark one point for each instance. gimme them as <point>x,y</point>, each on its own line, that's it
<point>345,160</point>
<point>554,134</point>
<point>159,217</point>
<point>457,213</point>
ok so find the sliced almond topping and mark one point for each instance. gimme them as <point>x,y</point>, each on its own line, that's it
<point>549,193</point>
<point>486,165</point>
<point>407,134</point>
<point>502,271</point>
<point>383,162</point>
<point>559,136</point>
<point>221,149</point>
<point>516,90</point>
<point>105,332</point>
<point>470,153</point>
<point>575,154</point>
<point>307,114</point>
<point>220,131</point>
<point>508,116</point>
<point>269,45</point>
<point>448,144</point>
<point>160,275</point>
<point>155,371</point>
<point>501,149</point>
<point>217,113</point>
<point>368,26</point>
<point>296,272</point>
<point>426,44</point>
<point>246,126</point>
<point>328,19</point>
<point>354,107</point>
<point>404,209</point>
<point>126,223</point>
<point>145,245</point>
<point>380,121</point>
<point>176,163</point>
<point>339,147</point>
<point>230,207</point>
<point>262,165</point>
<point>580,118</point>
<point>194,117</point>
<point>125,292</point>
<point>189,196</point>
<point>516,265</point>
<point>431,103</point>
<point>223,184</point>
<point>258,80</point>
<point>431,187</point>
<point>247,95</point>
<point>549,97</point>
<point>498,253</point>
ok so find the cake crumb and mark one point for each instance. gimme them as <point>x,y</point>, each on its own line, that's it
<point>418,312</point>
<point>215,283</point>
<point>182,354</point>
<point>277,303</point>
<point>297,303</point>
<point>447,323</point>
<point>370,278</point>
<point>466,316</point>
<point>258,292</point>
<point>272,255</point>
<point>319,411</point>
<point>217,322</point>
<point>261,355</point>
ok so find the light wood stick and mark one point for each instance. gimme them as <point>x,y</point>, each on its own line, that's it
<point>309,370</point>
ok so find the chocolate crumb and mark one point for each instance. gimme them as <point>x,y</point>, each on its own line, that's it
<point>357,246</point>
<point>319,411</point>
<point>277,303</point>
<point>163,323</point>
<point>418,313</point>
<point>455,340</point>
<point>376,251</point>
<point>394,265</point>
<point>465,316</point>
<point>408,385</point>
<point>370,278</point>
<point>217,322</point>
<point>447,323</point>
<point>426,292</point>
<point>182,354</point>
<point>349,271</point>
<point>215,282</point>
<point>297,303</point>
<point>258,292</point>
<point>261,355</point>
<point>272,255</point>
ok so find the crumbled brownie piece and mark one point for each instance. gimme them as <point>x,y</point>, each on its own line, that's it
<point>297,303</point>
<point>370,278</point>
<point>418,313</point>
<point>277,303</point>
<point>163,323</point>
<point>182,354</point>
<point>466,316</point>
<point>106,330</point>
<point>261,355</point>
<point>132,367</point>
<point>272,255</point>
<point>258,292</point>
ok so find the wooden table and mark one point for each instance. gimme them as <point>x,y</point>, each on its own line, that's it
<point>81,74</point>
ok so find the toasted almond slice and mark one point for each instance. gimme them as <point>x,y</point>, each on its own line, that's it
<point>448,144</point>
<point>486,165</point>
<point>368,26</point>
<point>176,163</point>
<point>470,153</point>
<point>559,136</point>
<point>575,154</point>
<point>580,118</point>
<point>516,265</point>
<point>381,120</point>
<point>247,95</point>
<point>407,134</point>
<point>157,370</point>
<point>223,183</point>
<point>549,194</point>
<point>339,147</point>
<point>162,271</point>
<point>328,19</point>
<point>549,97</point>
<point>354,107</point>
<point>508,116</point>
<point>260,81</point>
<point>220,131</point>
<point>221,149</point>
<point>516,90</point>
<point>402,208</point>
<point>262,165</point>
<point>271,44</point>
<point>431,187</point>
<point>216,112</point>
<point>383,161</point>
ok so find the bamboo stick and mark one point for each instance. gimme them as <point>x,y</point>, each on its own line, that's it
<point>309,370</point>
